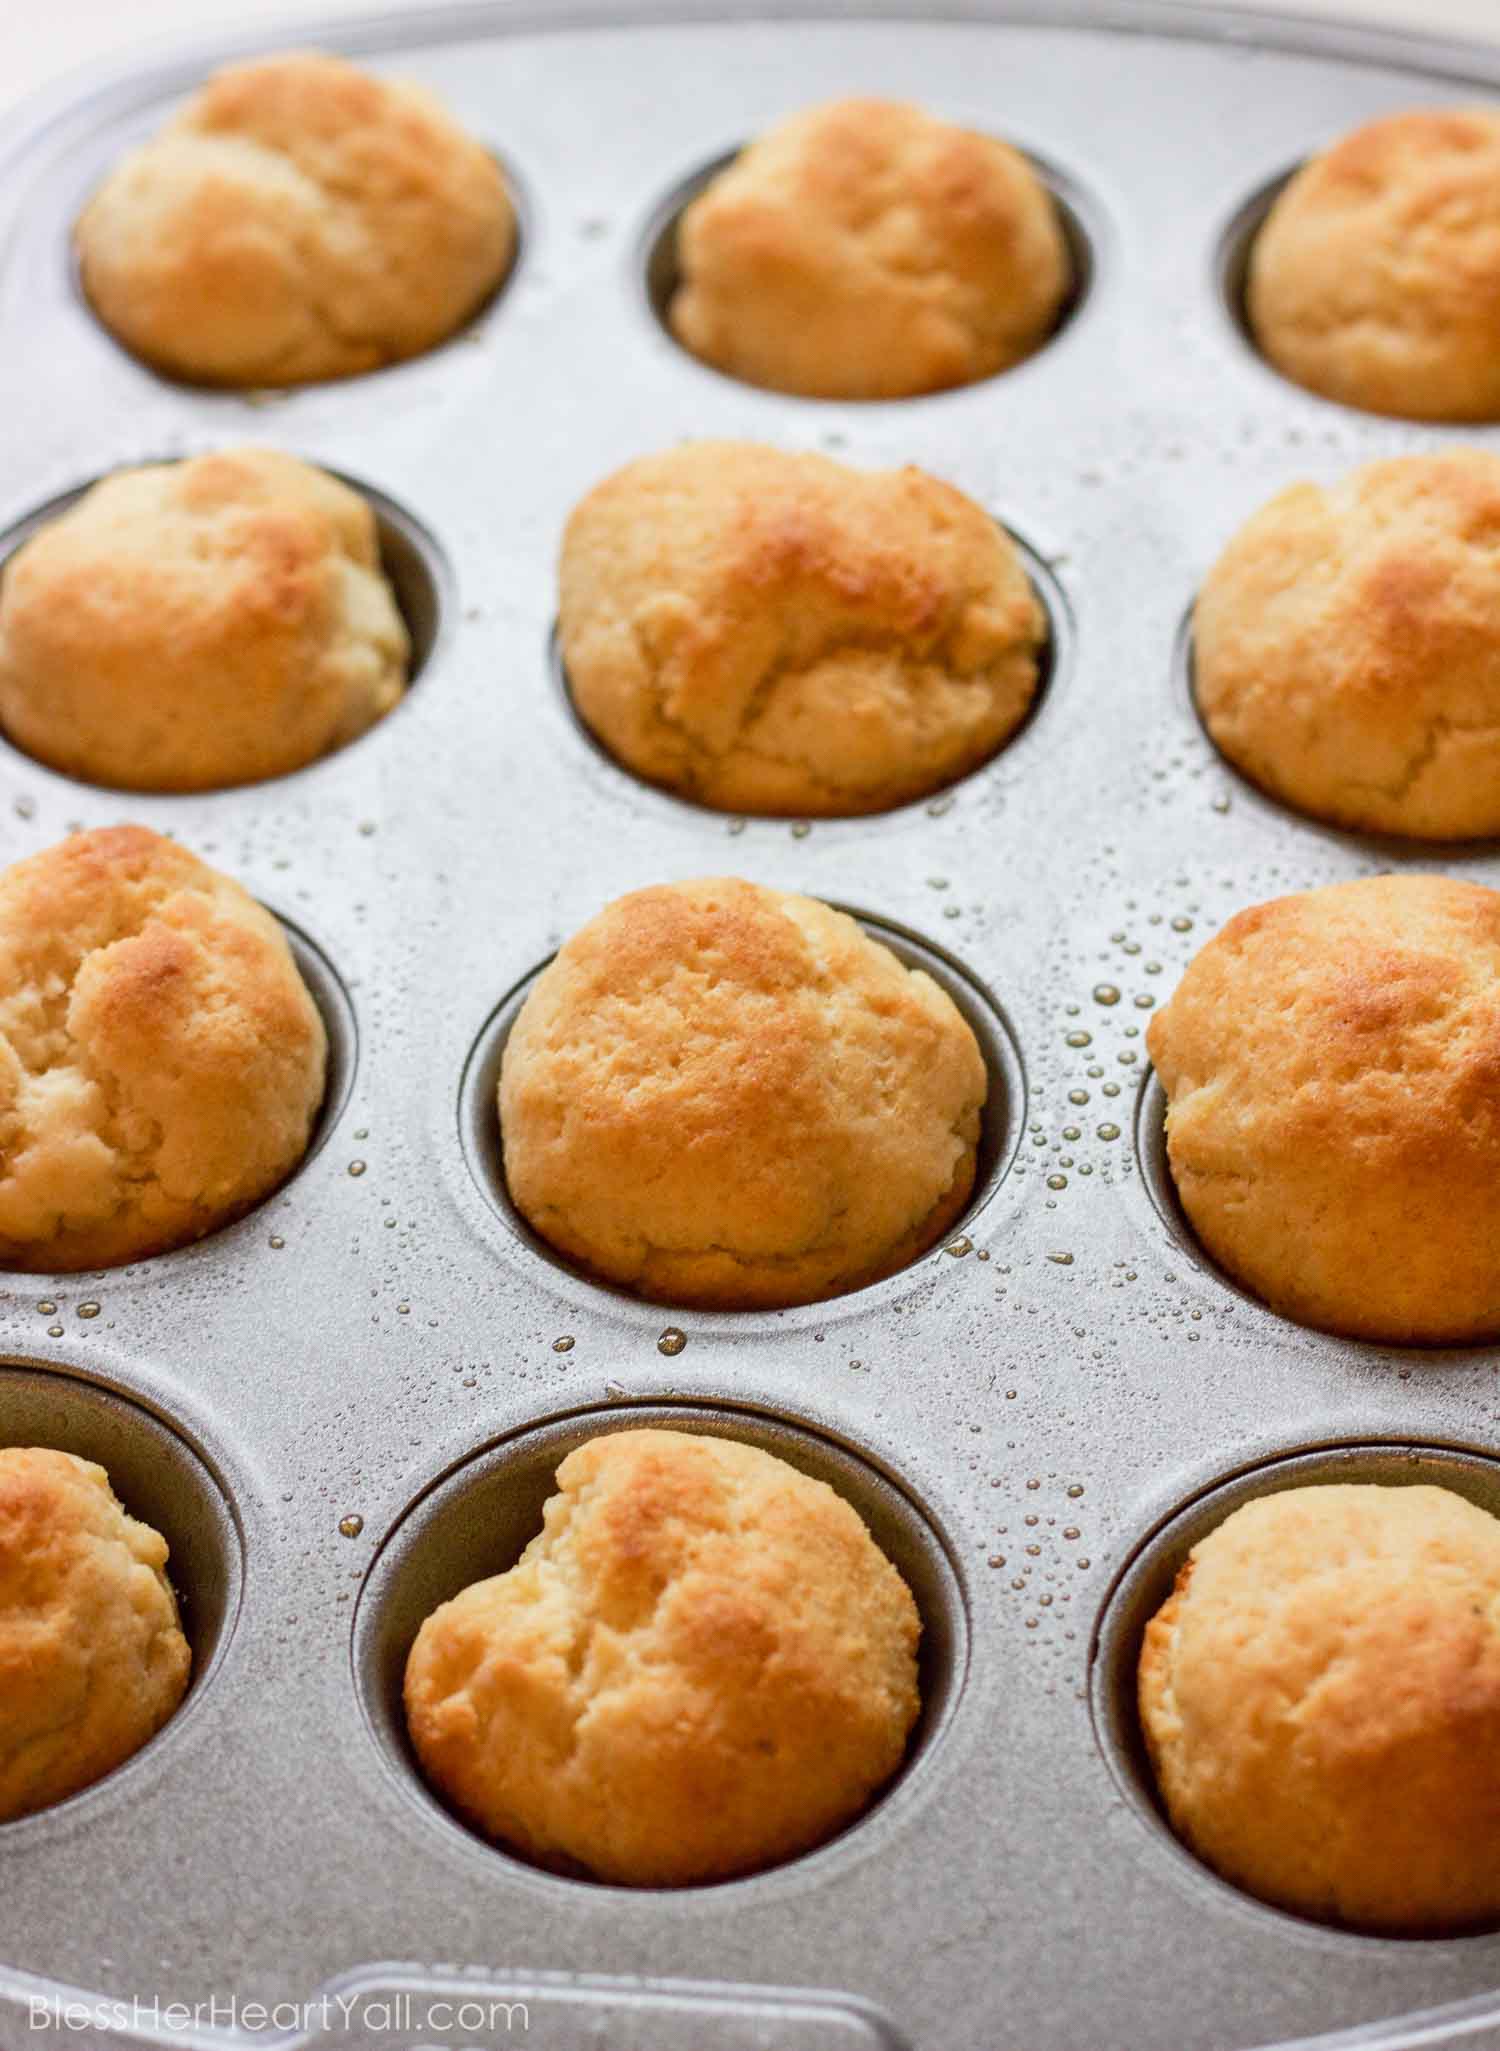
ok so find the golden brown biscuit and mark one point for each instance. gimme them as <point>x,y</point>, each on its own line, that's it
<point>767,632</point>
<point>92,1658</point>
<point>1321,1700</point>
<point>865,250</point>
<point>298,219</point>
<point>1332,1065</point>
<point>1376,277</point>
<point>720,1094</point>
<point>161,1061</point>
<point>1347,647</point>
<point>191,625</point>
<point>702,1664</point>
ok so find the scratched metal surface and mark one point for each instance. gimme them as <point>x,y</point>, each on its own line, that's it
<point>1045,1399</point>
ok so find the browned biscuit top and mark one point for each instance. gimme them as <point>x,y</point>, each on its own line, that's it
<point>298,219</point>
<point>863,250</point>
<point>770,632</point>
<point>1332,1065</point>
<point>187,626</point>
<point>1376,278</point>
<point>161,1060</point>
<point>1347,646</point>
<point>718,1093</point>
<point>1321,1699</point>
<point>92,1657</point>
<point>702,1664</point>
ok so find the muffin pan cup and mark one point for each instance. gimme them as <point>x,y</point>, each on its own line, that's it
<point>1148,1577</point>
<point>1041,1397</point>
<point>478,1521</point>
<point>1001,1123</point>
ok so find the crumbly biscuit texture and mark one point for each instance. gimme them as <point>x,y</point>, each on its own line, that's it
<point>1321,1700</point>
<point>1332,1066</point>
<point>297,220</point>
<point>722,1094</point>
<point>92,1656</point>
<point>865,250</point>
<point>1347,647</point>
<point>702,1664</point>
<point>767,632</point>
<point>188,626</point>
<point>161,1060</point>
<point>1376,277</point>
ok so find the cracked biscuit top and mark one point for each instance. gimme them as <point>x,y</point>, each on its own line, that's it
<point>1332,1068</point>
<point>722,1094</point>
<point>1376,277</point>
<point>92,1657</point>
<point>297,220</point>
<point>865,250</point>
<point>1321,1700</point>
<point>161,1061</point>
<point>187,626</point>
<point>1347,647</point>
<point>768,632</point>
<point>701,1665</point>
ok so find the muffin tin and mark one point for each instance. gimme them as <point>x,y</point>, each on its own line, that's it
<point>349,1403</point>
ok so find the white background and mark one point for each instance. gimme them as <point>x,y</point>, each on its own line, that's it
<point>42,39</point>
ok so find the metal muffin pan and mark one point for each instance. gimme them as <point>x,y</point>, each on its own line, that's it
<point>348,1401</point>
